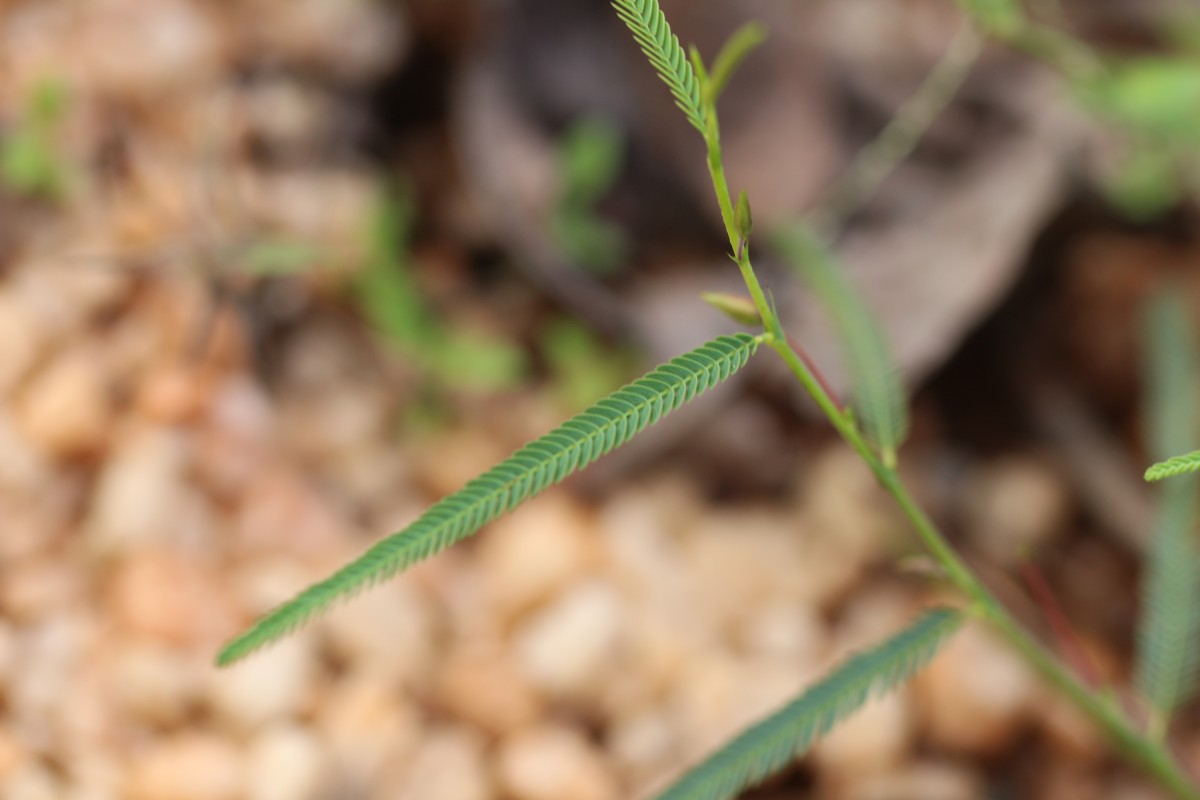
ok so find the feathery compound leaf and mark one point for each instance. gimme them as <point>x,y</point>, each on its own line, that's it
<point>1175,465</point>
<point>542,463</point>
<point>650,29</point>
<point>1168,658</point>
<point>1173,394</point>
<point>782,737</point>
<point>879,402</point>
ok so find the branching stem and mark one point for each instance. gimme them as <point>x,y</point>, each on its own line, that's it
<point>1136,746</point>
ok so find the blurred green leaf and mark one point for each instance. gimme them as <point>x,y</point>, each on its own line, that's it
<point>279,256</point>
<point>589,159</point>
<point>1168,658</point>
<point>474,360</point>
<point>879,401</point>
<point>31,163</point>
<point>738,308</point>
<point>1002,18</point>
<point>594,243</point>
<point>1145,183</point>
<point>1155,97</point>
<point>385,288</point>
<point>582,367</point>
<point>393,305</point>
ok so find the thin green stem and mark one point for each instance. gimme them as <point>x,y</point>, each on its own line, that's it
<point>1141,749</point>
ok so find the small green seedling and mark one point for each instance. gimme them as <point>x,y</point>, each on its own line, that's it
<point>589,162</point>
<point>31,161</point>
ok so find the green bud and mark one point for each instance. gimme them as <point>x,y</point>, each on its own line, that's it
<point>742,220</point>
<point>738,308</point>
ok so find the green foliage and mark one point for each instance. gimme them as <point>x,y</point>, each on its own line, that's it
<point>393,305</point>
<point>1145,182</point>
<point>582,367</point>
<point>782,737</point>
<point>542,463</point>
<point>740,309</point>
<point>1168,657</point>
<point>30,161</point>
<point>272,255</point>
<point>651,31</point>
<point>743,219</point>
<point>1155,103</point>
<point>879,400</point>
<point>1155,97</point>
<point>589,162</point>
<point>1173,385</point>
<point>1175,465</point>
<point>1000,18</point>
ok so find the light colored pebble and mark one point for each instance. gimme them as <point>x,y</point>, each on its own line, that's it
<point>31,782</point>
<point>8,651</point>
<point>138,495</point>
<point>568,647</point>
<point>277,683</point>
<point>704,700</point>
<point>481,686</point>
<point>66,409</point>
<point>641,743</point>
<point>976,694</point>
<point>13,755</point>
<point>286,762</point>
<point>1015,505</point>
<point>527,556</point>
<point>388,627</point>
<point>152,683</point>
<point>171,393</point>
<point>785,630</point>
<point>917,781</point>
<point>24,470</point>
<point>873,615</point>
<point>22,342</point>
<point>279,512</point>
<point>366,721</point>
<point>93,774</point>
<point>450,762</point>
<point>48,658</point>
<point>41,587</point>
<point>190,766</point>
<point>655,651</point>
<point>176,42</point>
<point>164,596</point>
<point>843,506</point>
<point>553,763</point>
<point>874,739</point>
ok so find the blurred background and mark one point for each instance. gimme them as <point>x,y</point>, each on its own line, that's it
<point>274,276</point>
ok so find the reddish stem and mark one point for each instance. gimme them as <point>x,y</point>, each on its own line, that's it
<point>816,373</point>
<point>1065,636</point>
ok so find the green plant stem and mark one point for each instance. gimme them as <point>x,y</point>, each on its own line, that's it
<point>1137,747</point>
